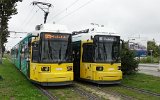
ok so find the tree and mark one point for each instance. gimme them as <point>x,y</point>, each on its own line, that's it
<point>7,8</point>
<point>128,62</point>
<point>151,45</point>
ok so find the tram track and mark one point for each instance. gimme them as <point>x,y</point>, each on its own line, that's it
<point>83,92</point>
<point>140,90</point>
<point>46,92</point>
<point>115,93</point>
<point>105,92</point>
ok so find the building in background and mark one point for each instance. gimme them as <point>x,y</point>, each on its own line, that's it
<point>139,45</point>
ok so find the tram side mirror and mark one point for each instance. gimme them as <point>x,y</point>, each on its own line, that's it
<point>35,44</point>
<point>122,44</point>
<point>27,59</point>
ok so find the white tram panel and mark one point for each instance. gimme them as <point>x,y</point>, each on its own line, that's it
<point>91,33</point>
<point>55,28</point>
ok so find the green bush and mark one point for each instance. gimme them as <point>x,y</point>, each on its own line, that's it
<point>148,60</point>
<point>128,62</point>
<point>145,60</point>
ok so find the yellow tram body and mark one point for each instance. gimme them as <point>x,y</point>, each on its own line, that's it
<point>45,56</point>
<point>92,71</point>
<point>56,73</point>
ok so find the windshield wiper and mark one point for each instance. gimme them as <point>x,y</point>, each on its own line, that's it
<point>99,54</point>
<point>105,52</point>
<point>59,61</point>
<point>50,50</point>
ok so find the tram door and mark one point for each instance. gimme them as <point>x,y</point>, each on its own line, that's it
<point>76,59</point>
<point>87,60</point>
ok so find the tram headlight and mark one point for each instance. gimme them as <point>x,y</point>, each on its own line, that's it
<point>119,67</point>
<point>45,68</point>
<point>99,68</point>
<point>69,68</point>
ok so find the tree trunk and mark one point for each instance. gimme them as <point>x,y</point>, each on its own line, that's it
<point>0,51</point>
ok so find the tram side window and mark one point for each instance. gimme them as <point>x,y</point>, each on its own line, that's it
<point>29,48</point>
<point>16,53</point>
<point>12,52</point>
<point>87,53</point>
<point>35,52</point>
<point>22,51</point>
<point>26,52</point>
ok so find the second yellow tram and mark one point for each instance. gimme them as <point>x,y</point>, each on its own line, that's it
<point>96,56</point>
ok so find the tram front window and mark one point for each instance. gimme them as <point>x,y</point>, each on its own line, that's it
<point>56,49</point>
<point>107,49</point>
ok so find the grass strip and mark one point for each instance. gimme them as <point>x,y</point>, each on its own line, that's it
<point>15,86</point>
<point>131,93</point>
<point>66,93</point>
<point>143,81</point>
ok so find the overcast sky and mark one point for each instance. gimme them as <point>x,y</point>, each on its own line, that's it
<point>129,18</point>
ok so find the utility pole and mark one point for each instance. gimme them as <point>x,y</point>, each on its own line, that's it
<point>44,7</point>
<point>151,55</point>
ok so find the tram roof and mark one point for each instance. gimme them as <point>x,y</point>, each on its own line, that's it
<point>88,33</point>
<point>55,28</point>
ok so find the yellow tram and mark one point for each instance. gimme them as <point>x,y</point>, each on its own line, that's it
<point>96,55</point>
<point>45,56</point>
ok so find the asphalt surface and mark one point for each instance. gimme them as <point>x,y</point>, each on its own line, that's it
<point>150,69</point>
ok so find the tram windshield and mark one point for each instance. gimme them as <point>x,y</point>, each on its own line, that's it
<point>107,48</point>
<point>55,47</point>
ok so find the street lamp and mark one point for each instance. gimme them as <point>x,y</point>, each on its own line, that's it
<point>151,54</point>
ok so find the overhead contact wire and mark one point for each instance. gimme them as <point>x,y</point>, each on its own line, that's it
<point>64,9</point>
<point>75,10</point>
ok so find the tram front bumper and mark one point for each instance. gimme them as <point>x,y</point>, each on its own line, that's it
<point>55,77</point>
<point>108,76</point>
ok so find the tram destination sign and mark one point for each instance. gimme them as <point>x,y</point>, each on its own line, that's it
<point>107,38</point>
<point>54,36</point>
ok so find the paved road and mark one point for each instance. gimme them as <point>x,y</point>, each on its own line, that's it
<point>150,69</point>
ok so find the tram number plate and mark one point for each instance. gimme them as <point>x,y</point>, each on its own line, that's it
<point>111,69</point>
<point>58,68</point>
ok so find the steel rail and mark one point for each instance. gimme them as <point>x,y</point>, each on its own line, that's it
<point>85,93</point>
<point>107,91</point>
<point>141,90</point>
<point>47,93</point>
